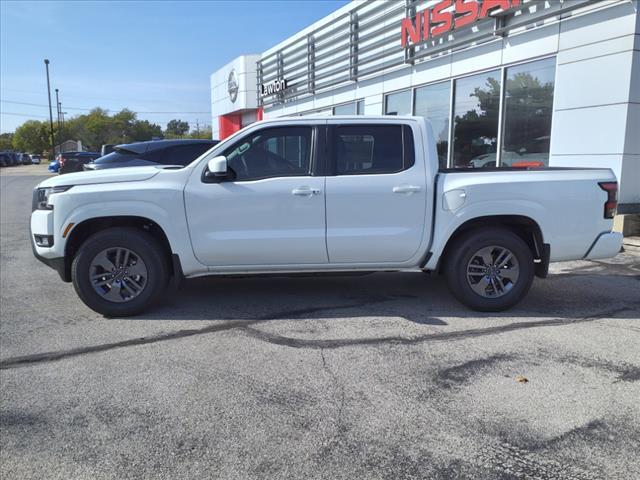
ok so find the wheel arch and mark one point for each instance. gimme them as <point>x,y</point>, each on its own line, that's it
<point>525,227</point>
<point>82,231</point>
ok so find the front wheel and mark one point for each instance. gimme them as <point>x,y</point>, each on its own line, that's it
<point>120,272</point>
<point>489,270</point>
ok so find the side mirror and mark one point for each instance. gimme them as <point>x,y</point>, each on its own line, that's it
<point>217,166</point>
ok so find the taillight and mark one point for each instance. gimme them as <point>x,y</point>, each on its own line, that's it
<point>611,204</point>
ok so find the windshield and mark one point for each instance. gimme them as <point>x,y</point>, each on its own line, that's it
<point>116,157</point>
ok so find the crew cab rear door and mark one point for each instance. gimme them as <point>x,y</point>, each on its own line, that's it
<point>375,192</point>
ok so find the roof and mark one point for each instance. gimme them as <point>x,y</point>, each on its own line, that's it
<point>142,147</point>
<point>360,118</point>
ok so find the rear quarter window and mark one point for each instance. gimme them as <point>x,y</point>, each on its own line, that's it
<point>180,154</point>
<point>115,157</point>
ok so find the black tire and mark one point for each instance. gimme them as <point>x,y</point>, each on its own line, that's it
<point>462,254</point>
<point>138,242</point>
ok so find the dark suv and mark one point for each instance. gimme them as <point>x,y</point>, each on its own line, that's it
<point>155,152</point>
<point>5,159</point>
<point>74,161</point>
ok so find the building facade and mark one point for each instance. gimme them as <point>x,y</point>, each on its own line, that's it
<point>505,83</point>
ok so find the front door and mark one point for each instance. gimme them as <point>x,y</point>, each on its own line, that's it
<point>270,210</point>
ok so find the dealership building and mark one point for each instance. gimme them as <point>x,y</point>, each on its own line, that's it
<point>506,83</point>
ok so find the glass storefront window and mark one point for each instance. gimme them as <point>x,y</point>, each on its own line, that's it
<point>475,125</point>
<point>528,109</point>
<point>398,103</point>
<point>346,109</point>
<point>353,108</point>
<point>433,102</point>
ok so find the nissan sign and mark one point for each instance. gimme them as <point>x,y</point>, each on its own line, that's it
<point>232,85</point>
<point>449,15</point>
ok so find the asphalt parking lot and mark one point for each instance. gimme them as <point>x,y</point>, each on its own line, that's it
<point>379,377</point>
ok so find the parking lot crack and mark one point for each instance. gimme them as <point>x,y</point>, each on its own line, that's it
<point>431,337</point>
<point>245,325</point>
<point>22,361</point>
<point>26,360</point>
<point>340,428</point>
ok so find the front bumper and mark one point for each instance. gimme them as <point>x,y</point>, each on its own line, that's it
<point>42,224</point>
<point>607,245</point>
<point>58,263</point>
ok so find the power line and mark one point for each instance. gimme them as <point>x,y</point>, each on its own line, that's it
<point>32,92</point>
<point>89,109</point>
<point>23,115</point>
<point>40,105</point>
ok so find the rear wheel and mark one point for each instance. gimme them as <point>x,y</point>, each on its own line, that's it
<point>120,272</point>
<point>489,270</point>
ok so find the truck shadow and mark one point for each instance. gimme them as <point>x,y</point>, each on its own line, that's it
<point>413,296</point>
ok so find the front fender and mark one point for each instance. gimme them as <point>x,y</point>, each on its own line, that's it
<point>171,220</point>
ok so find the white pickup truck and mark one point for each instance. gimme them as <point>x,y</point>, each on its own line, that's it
<point>337,194</point>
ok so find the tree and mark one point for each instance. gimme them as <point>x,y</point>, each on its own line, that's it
<point>123,126</point>
<point>204,133</point>
<point>144,130</point>
<point>177,128</point>
<point>94,129</point>
<point>5,141</point>
<point>32,136</point>
<point>98,128</point>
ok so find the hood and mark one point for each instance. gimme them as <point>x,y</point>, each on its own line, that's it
<point>111,175</point>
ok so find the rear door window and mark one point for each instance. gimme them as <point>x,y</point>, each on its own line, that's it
<point>371,149</point>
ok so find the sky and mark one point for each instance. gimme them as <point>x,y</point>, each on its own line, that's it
<point>148,56</point>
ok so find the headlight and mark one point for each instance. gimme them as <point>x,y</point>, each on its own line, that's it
<point>41,197</point>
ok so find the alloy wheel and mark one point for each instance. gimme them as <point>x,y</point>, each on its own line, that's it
<point>493,271</point>
<point>118,274</point>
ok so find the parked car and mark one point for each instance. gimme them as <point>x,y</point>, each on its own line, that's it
<point>75,161</point>
<point>5,159</point>
<point>36,159</point>
<point>158,152</point>
<point>106,149</point>
<point>25,159</point>
<point>54,166</point>
<point>318,194</point>
<point>15,159</point>
<point>533,154</point>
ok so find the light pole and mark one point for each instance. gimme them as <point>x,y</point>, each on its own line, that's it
<point>58,110</point>
<point>53,147</point>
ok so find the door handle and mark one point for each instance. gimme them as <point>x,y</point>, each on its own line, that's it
<point>406,189</point>
<point>305,191</point>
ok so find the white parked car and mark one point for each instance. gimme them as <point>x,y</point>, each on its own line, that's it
<point>319,195</point>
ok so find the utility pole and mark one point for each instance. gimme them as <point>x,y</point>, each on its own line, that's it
<point>197,128</point>
<point>59,109</point>
<point>53,147</point>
